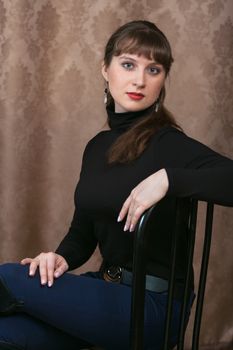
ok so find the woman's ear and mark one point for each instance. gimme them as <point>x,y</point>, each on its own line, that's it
<point>104,72</point>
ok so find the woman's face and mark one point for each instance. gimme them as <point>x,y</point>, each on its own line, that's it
<point>134,81</point>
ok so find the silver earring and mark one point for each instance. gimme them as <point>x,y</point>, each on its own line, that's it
<point>157,106</point>
<point>105,96</point>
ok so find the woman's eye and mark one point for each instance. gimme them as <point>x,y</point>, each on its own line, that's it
<point>154,70</point>
<point>127,65</point>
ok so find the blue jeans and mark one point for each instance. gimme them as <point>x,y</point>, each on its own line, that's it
<point>77,311</point>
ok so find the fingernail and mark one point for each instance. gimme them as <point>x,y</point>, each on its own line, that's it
<point>49,283</point>
<point>56,274</point>
<point>43,282</point>
<point>119,218</point>
<point>131,228</point>
<point>125,228</point>
<point>30,273</point>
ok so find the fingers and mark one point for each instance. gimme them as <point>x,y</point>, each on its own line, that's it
<point>148,192</point>
<point>26,261</point>
<point>124,209</point>
<point>50,265</point>
<point>132,218</point>
<point>46,268</point>
<point>62,267</point>
<point>133,209</point>
<point>33,265</point>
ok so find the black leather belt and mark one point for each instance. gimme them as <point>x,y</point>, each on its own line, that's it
<point>118,274</point>
<point>121,275</point>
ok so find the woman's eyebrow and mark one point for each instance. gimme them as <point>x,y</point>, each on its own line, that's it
<point>127,58</point>
<point>124,57</point>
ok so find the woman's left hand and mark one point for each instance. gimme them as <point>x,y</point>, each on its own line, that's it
<point>143,196</point>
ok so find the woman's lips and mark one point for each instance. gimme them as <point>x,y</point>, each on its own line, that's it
<point>135,95</point>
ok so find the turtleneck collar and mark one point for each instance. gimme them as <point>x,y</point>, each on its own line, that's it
<point>123,121</point>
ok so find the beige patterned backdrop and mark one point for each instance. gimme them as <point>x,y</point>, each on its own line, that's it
<point>51,94</point>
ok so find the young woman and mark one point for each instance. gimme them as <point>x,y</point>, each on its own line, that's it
<point>144,158</point>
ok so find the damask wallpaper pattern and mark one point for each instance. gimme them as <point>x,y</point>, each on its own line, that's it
<point>51,93</point>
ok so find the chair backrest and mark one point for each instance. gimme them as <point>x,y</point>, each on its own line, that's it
<point>139,272</point>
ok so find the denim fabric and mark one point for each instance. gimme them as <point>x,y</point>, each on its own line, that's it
<point>77,311</point>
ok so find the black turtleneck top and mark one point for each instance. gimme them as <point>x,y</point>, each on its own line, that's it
<point>192,168</point>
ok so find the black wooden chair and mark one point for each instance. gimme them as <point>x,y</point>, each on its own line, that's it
<point>139,271</point>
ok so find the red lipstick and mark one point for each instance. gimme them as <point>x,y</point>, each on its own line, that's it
<point>135,95</point>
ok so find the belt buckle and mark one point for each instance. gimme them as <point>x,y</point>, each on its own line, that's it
<point>113,274</point>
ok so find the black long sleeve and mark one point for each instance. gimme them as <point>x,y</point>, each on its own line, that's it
<point>80,242</point>
<point>193,170</point>
<point>196,170</point>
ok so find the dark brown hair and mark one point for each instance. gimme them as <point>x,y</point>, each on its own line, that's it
<point>141,38</point>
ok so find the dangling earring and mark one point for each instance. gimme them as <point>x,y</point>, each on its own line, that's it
<point>157,106</point>
<point>105,96</point>
<point>106,91</point>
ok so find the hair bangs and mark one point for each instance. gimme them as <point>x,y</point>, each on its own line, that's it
<point>147,44</point>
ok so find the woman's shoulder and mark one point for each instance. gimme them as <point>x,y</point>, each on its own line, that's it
<point>169,132</point>
<point>99,136</point>
<point>97,140</point>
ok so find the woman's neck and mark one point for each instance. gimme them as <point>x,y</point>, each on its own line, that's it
<point>124,120</point>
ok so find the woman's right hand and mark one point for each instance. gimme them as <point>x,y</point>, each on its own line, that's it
<point>51,265</point>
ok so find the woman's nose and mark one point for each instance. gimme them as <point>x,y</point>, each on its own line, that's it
<point>139,79</point>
